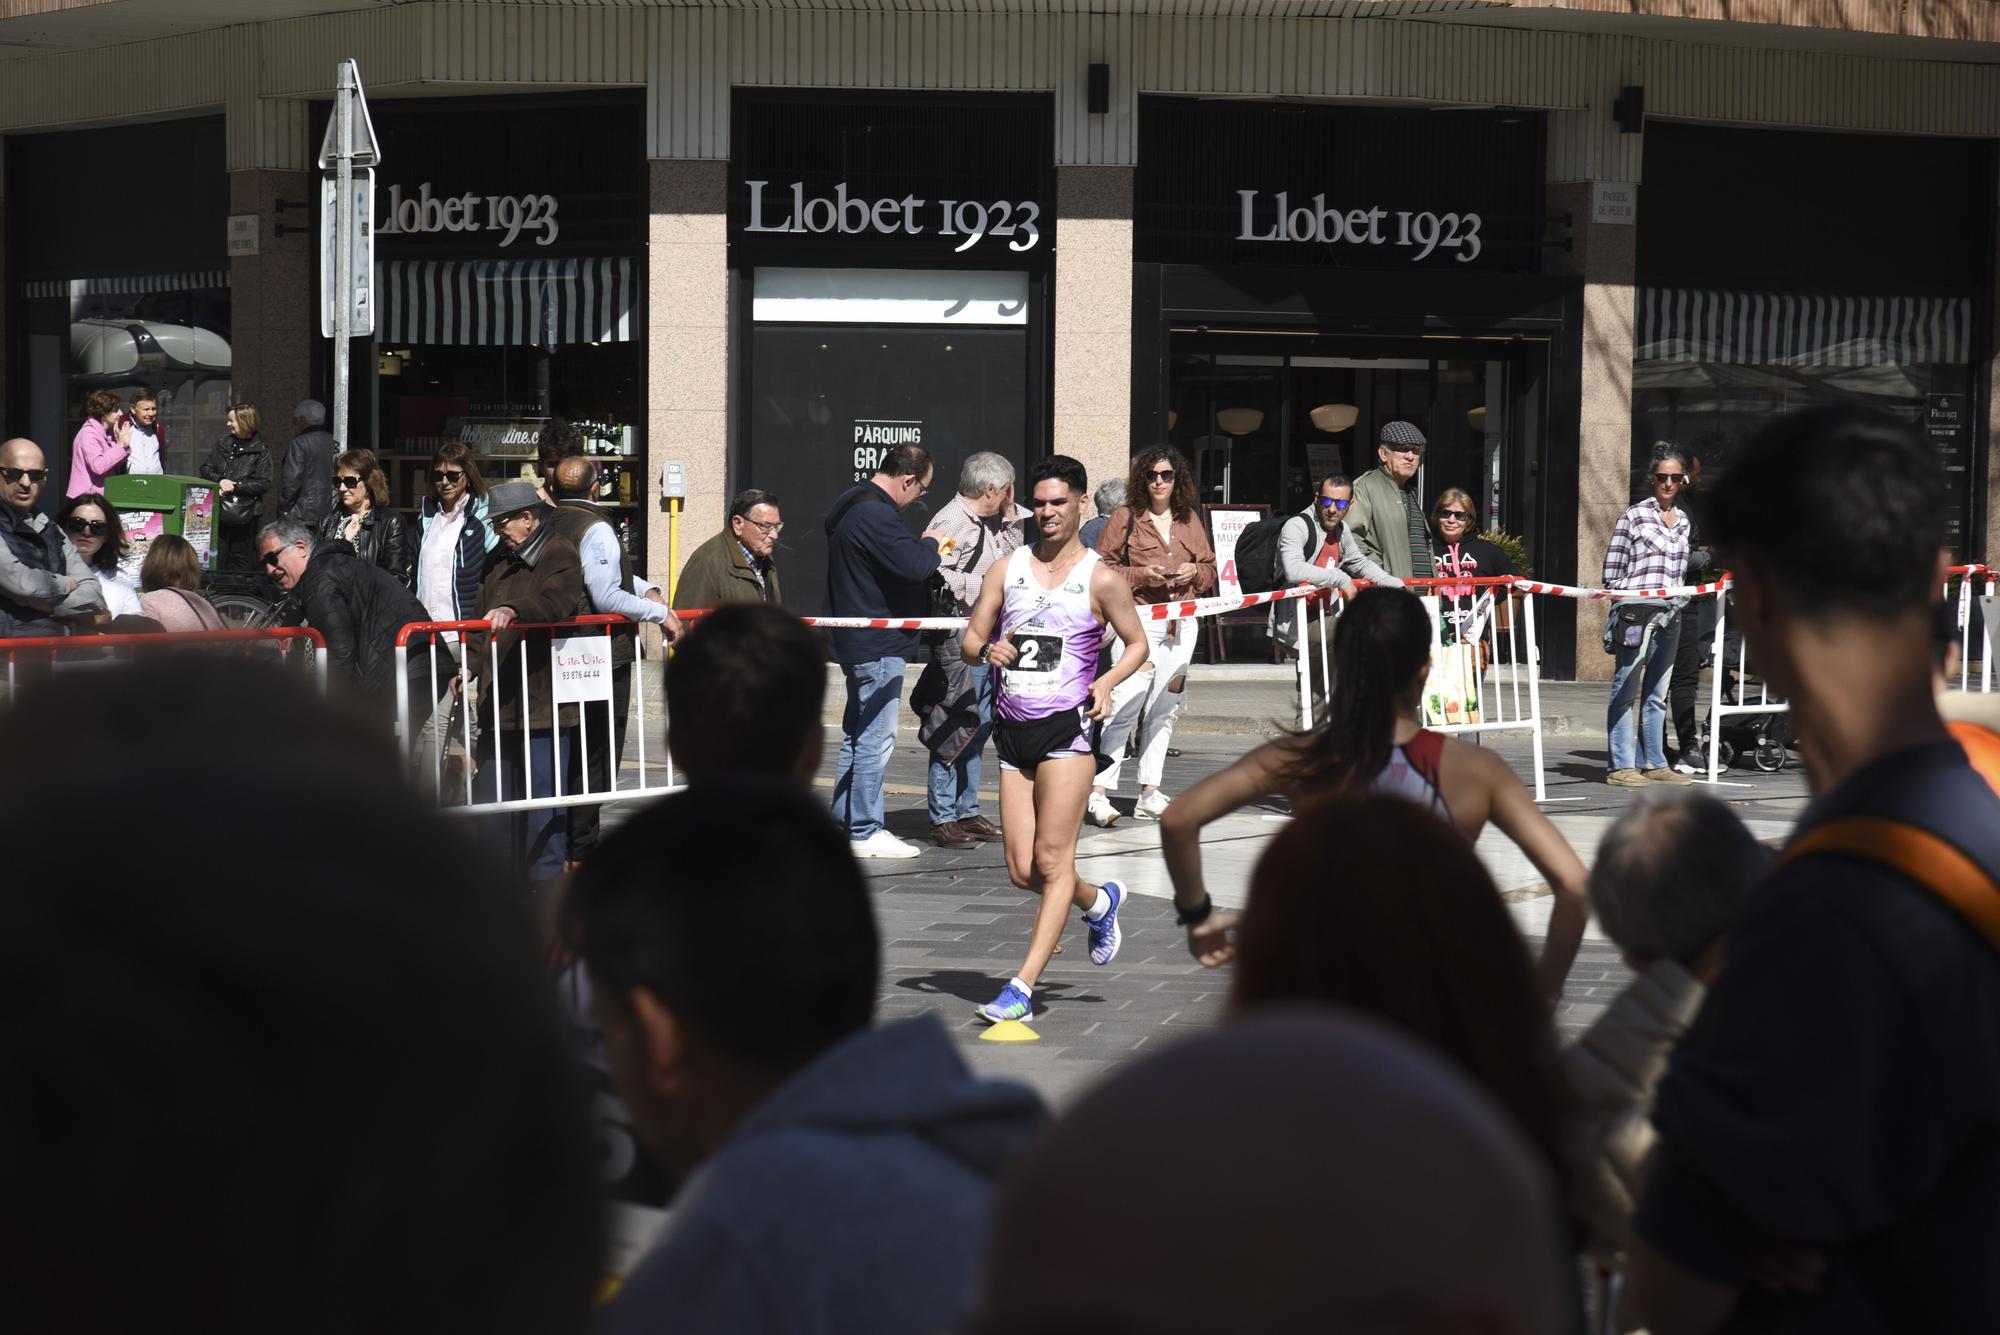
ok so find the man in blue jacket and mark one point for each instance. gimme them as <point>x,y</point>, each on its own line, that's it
<point>875,568</point>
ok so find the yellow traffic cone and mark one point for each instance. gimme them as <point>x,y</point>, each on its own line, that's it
<point>1010,1031</point>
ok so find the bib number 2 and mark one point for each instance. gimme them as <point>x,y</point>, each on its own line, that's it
<point>1034,669</point>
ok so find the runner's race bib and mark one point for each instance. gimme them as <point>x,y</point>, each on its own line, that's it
<point>1034,670</point>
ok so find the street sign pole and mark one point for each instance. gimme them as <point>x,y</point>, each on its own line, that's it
<point>343,250</point>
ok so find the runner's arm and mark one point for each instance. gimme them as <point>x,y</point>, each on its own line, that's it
<point>1255,775</point>
<point>981,620</point>
<point>1536,836</point>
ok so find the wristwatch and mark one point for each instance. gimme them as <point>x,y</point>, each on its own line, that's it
<point>1195,916</point>
<point>985,649</point>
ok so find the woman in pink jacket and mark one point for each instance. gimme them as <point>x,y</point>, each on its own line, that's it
<point>101,447</point>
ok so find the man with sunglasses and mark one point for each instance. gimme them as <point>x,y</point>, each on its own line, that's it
<point>43,580</point>
<point>1648,550</point>
<point>1387,517</point>
<point>305,494</point>
<point>1316,546</point>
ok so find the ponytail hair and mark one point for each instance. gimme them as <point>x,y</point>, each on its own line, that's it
<point>1381,649</point>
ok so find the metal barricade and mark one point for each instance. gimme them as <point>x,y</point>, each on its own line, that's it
<point>99,650</point>
<point>1968,577</point>
<point>1719,708</point>
<point>580,672</point>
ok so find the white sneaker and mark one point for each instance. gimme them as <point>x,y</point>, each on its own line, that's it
<point>1686,767</point>
<point>1100,810</point>
<point>882,844</point>
<point>1151,805</point>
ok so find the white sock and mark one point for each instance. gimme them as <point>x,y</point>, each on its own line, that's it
<point>1099,906</point>
<point>1026,991</point>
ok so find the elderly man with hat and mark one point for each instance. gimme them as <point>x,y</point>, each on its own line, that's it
<point>534,577</point>
<point>1387,517</point>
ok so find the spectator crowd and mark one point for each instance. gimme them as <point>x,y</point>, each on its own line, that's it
<point>254,1090</point>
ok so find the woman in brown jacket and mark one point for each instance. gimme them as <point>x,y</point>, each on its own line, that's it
<point>1156,541</point>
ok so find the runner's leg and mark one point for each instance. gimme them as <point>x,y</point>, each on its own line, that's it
<point>1060,789</point>
<point>1017,826</point>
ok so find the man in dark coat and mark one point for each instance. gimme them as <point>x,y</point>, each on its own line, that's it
<point>306,491</point>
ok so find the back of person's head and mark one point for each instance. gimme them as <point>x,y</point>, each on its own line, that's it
<point>575,478</point>
<point>905,461</point>
<point>745,688</point>
<point>1110,495</point>
<point>284,1090</point>
<point>1380,655</point>
<point>171,563</point>
<point>561,439</point>
<point>1841,509</point>
<point>1673,875</point>
<point>310,413</point>
<point>1363,1186</point>
<point>738,906</point>
<point>1372,902</point>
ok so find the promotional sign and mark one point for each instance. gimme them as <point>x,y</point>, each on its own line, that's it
<point>141,527</point>
<point>198,523</point>
<point>361,202</point>
<point>1451,692</point>
<point>582,668</point>
<point>1225,525</point>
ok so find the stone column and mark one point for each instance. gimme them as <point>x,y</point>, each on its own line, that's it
<point>1605,257</point>
<point>1093,318</point>
<point>687,351</point>
<point>274,305</point>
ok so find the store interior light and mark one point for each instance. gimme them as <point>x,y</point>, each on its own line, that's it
<point>1335,417</point>
<point>1476,419</point>
<point>1173,419</point>
<point>1240,421</point>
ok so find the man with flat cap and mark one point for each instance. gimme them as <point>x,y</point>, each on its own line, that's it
<point>1387,517</point>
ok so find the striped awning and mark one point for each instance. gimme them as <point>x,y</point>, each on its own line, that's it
<point>1680,324</point>
<point>185,280</point>
<point>544,303</point>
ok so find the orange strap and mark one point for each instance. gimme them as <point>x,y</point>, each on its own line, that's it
<point>1920,855</point>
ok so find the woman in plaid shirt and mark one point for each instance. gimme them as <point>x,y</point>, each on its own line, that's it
<point>1649,550</point>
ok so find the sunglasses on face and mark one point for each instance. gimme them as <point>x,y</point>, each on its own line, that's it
<point>78,525</point>
<point>271,558</point>
<point>347,483</point>
<point>1678,479</point>
<point>451,475</point>
<point>1161,475</point>
<point>1453,514</point>
<point>1328,503</point>
<point>35,475</point>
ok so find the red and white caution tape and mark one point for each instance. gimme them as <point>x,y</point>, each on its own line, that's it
<point>1614,595</point>
<point>1174,611</point>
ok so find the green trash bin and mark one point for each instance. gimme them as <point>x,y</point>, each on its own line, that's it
<point>150,504</point>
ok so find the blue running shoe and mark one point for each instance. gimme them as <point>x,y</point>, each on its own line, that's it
<point>1104,934</point>
<point>1011,1004</point>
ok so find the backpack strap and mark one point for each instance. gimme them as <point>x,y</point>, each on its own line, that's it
<point>1918,854</point>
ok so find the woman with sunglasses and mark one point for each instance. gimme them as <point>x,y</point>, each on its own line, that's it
<point>361,516</point>
<point>240,468</point>
<point>93,529</point>
<point>1156,542</point>
<point>1648,550</point>
<point>1461,553</point>
<point>455,537</point>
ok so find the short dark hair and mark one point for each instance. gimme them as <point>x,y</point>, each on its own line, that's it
<point>561,440</point>
<point>738,904</point>
<point>143,394</point>
<point>1062,469</point>
<point>749,499</point>
<point>905,461</point>
<point>745,688</point>
<point>114,547</point>
<point>1842,507</point>
<point>1333,480</point>
<point>313,1136</point>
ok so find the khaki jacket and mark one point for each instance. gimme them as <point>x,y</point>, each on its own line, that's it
<point>1377,521</point>
<point>717,572</point>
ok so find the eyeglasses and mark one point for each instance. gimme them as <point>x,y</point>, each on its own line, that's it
<point>771,529</point>
<point>96,528</point>
<point>1329,503</point>
<point>453,475</point>
<point>35,475</point>
<point>1161,475</point>
<point>1453,514</point>
<point>347,483</point>
<point>1678,479</point>
<point>1404,449</point>
<point>271,558</point>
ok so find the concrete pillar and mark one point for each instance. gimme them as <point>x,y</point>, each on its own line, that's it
<point>1606,259</point>
<point>1093,318</point>
<point>687,351</point>
<point>274,305</point>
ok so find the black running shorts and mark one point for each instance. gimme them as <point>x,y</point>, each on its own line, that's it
<point>1024,746</point>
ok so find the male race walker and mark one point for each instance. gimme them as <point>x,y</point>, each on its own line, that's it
<point>1051,602</point>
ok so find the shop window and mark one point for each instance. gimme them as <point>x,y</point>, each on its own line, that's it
<point>1711,369</point>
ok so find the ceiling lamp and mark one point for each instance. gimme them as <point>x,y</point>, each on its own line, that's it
<point>1240,421</point>
<point>1173,419</point>
<point>1335,417</point>
<point>1476,419</point>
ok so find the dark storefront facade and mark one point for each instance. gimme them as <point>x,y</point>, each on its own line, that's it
<point>510,281</point>
<point>118,279</point>
<point>1781,270</point>
<point>891,263</point>
<point>1304,274</point>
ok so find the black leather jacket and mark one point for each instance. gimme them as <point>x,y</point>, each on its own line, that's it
<point>358,609</point>
<point>384,540</point>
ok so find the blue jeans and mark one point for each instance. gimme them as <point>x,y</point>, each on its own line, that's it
<point>1632,678</point>
<point>867,739</point>
<point>955,787</point>
<point>537,839</point>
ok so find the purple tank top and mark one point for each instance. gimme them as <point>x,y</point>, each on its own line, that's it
<point>1057,639</point>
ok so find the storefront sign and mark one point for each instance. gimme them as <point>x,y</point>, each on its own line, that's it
<point>505,438</point>
<point>801,210</point>
<point>582,668</point>
<point>1948,427</point>
<point>1423,232</point>
<point>1225,526</point>
<point>1614,202</point>
<point>874,437</point>
<point>242,234</point>
<point>510,214</point>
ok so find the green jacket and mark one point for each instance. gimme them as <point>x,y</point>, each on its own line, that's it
<point>717,573</point>
<point>1377,522</point>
